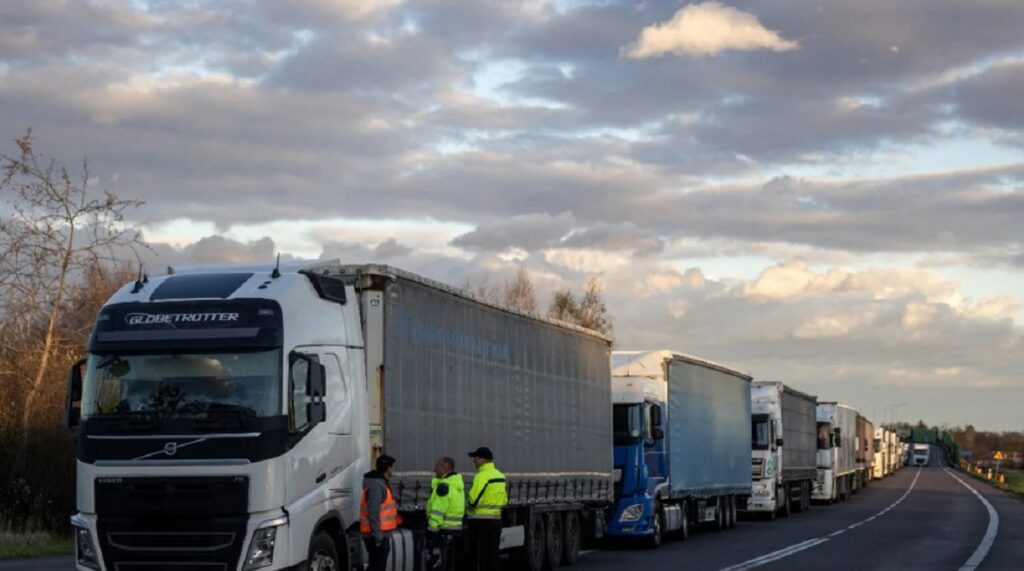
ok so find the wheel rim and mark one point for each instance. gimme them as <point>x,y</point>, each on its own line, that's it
<point>322,561</point>
<point>657,526</point>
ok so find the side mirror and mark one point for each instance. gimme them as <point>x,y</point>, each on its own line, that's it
<point>73,401</point>
<point>655,415</point>
<point>316,412</point>
<point>778,442</point>
<point>657,433</point>
<point>315,386</point>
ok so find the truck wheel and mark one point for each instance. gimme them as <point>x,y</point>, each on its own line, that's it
<point>806,495</point>
<point>783,495</point>
<point>323,554</point>
<point>573,538</point>
<point>798,491</point>
<point>656,540</point>
<point>553,539</point>
<point>733,512</point>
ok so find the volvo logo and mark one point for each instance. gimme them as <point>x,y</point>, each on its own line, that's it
<point>170,449</point>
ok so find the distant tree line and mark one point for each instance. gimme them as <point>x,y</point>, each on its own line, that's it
<point>982,444</point>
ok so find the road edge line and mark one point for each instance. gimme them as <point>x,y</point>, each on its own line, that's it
<point>990,532</point>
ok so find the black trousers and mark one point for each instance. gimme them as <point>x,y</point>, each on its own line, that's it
<point>484,538</point>
<point>378,552</point>
<point>448,545</point>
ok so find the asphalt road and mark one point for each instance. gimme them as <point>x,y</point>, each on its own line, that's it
<point>916,519</point>
<point>939,524</point>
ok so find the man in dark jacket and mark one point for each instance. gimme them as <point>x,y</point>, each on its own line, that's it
<point>378,515</point>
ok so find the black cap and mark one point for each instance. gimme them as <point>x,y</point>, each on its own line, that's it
<point>482,452</point>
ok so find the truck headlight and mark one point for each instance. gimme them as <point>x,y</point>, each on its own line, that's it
<point>85,550</point>
<point>261,549</point>
<point>632,513</point>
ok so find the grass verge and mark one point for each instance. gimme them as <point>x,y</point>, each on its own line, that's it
<point>25,545</point>
<point>1014,481</point>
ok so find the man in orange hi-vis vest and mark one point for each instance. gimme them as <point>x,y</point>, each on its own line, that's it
<point>378,514</point>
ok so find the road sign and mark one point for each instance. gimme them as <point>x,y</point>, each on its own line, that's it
<point>999,456</point>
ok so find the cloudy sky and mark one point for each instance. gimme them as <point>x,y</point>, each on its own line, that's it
<point>825,193</point>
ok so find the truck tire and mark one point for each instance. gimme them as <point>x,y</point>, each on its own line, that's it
<point>572,539</point>
<point>733,512</point>
<point>323,554</point>
<point>719,515</point>
<point>553,539</point>
<point>531,555</point>
<point>787,507</point>
<point>798,491</point>
<point>807,496</point>
<point>658,538</point>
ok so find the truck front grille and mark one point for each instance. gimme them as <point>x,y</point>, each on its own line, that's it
<point>164,524</point>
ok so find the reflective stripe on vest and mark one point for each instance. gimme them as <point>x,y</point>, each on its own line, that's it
<point>389,518</point>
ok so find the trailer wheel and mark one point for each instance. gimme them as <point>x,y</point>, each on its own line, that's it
<point>719,516</point>
<point>684,528</point>
<point>798,491</point>
<point>656,540</point>
<point>573,538</point>
<point>553,539</point>
<point>531,555</point>
<point>733,512</point>
<point>807,496</point>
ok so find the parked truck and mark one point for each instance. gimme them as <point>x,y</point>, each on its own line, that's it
<point>682,444</point>
<point>865,452</point>
<point>837,452</point>
<point>784,456</point>
<point>224,417</point>
<point>896,452</point>
<point>883,453</point>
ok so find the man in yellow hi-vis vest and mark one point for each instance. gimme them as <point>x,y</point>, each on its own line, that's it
<point>486,498</point>
<point>445,511</point>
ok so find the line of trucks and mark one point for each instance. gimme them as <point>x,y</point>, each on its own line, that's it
<point>224,417</point>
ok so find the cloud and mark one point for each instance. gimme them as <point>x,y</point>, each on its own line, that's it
<point>707,28</point>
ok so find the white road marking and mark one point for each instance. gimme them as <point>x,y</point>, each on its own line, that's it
<point>804,545</point>
<point>990,533</point>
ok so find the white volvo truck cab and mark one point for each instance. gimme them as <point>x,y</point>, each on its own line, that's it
<point>221,423</point>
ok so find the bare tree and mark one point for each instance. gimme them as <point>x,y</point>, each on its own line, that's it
<point>590,311</point>
<point>564,306</point>
<point>593,312</point>
<point>54,229</point>
<point>520,293</point>
<point>481,286</point>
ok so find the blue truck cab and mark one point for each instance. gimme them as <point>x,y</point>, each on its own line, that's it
<point>682,441</point>
<point>639,405</point>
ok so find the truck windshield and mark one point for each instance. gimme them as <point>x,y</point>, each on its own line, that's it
<point>761,435</point>
<point>627,424</point>
<point>824,436</point>
<point>190,385</point>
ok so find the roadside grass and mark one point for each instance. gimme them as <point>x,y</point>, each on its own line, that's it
<point>25,545</point>
<point>1014,481</point>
